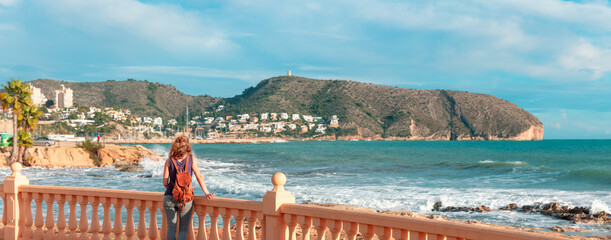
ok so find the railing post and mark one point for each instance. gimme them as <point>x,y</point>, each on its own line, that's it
<point>275,227</point>
<point>11,190</point>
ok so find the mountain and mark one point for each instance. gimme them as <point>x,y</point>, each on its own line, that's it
<point>390,112</point>
<point>366,110</point>
<point>141,97</point>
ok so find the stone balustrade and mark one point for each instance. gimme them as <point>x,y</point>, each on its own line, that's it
<point>277,216</point>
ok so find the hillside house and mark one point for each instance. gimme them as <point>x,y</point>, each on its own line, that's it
<point>308,118</point>
<point>264,116</point>
<point>295,117</point>
<point>284,116</point>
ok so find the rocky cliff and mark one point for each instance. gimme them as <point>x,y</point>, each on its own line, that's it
<point>79,157</point>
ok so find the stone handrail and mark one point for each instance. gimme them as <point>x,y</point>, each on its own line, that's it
<point>388,226</point>
<point>277,214</point>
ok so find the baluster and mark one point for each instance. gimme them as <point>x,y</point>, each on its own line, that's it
<point>164,225</point>
<point>190,231</point>
<point>106,228</point>
<point>226,224</point>
<point>352,229</point>
<point>21,222</point>
<point>438,237</point>
<point>5,212</point>
<point>61,217</point>
<point>384,233</point>
<point>321,227</point>
<point>72,224</point>
<point>49,223</point>
<point>153,231</point>
<point>27,233</point>
<point>252,224</point>
<point>95,219</point>
<point>239,228</point>
<point>84,225</point>
<point>141,222</point>
<point>400,234</point>
<point>201,215</point>
<point>129,225</point>
<point>214,215</point>
<point>367,230</point>
<point>291,222</point>
<point>118,228</point>
<point>39,233</point>
<point>306,225</point>
<point>336,229</point>
<point>261,218</point>
<point>418,235</point>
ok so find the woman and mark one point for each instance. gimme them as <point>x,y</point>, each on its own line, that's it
<point>181,157</point>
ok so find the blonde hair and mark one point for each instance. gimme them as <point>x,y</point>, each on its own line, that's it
<point>180,147</point>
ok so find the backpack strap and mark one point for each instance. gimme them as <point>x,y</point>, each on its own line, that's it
<point>176,166</point>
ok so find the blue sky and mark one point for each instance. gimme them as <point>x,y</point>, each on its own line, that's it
<point>552,58</point>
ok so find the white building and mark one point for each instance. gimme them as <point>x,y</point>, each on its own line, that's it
<point>292,126</point>
<point>63,97</point>
<point>208,120</point>
<point>308,118</point>
<point>158,121</point>
<point>264,116</point>
<point>334,121</point>
<point>321,129</point>
<point>172,122</point>
<point>244,117</point>
<point>284,116</point>
<point>295,117</point>
<point>220,108</point>
<point>38,99</point>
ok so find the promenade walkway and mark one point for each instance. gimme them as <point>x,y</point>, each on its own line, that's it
<point>277,215</point>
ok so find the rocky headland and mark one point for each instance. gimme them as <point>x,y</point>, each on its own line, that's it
<point>75,157</point>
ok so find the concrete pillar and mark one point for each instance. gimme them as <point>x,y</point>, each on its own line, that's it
<point>275,227</point>
<point>11,190</point>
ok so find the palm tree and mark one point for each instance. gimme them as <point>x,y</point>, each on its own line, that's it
<point>27,121</point>
<point>16,97</point>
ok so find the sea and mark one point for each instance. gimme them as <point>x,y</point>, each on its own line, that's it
<point>391,175</point>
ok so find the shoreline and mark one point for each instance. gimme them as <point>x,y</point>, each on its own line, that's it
<point>277,140</point>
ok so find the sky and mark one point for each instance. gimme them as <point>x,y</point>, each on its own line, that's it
<point>550,57</point>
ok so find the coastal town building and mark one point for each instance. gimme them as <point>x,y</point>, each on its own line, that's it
<point>158,121</point>
<point>308,118</point>
<point>38,98</point>
<point>284,116</point>
<point>264,116</point>
<point>172,121</point>
<point>295,117</point>
<point>334,122</point>
<point>63,97</point>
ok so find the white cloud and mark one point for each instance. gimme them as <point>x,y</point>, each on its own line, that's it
<point>542,39</point>
<point>8,3</point>
<point>167,26</point>
<point>587,58</point>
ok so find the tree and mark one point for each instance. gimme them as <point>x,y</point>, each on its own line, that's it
<point>27,122</point>
<point>16,97</point>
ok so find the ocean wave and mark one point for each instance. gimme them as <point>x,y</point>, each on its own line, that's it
<point>490,163</point>
<point>602,176</point>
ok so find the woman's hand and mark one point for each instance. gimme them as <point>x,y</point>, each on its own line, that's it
<point>210,196</point>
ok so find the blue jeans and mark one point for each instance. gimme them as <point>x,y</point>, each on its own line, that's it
<point>171,208</point>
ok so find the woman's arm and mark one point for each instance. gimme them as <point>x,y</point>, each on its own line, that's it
<point>166,173</point>
<point>201,181</point>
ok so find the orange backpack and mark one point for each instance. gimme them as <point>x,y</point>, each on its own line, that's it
<point>183,190</point>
